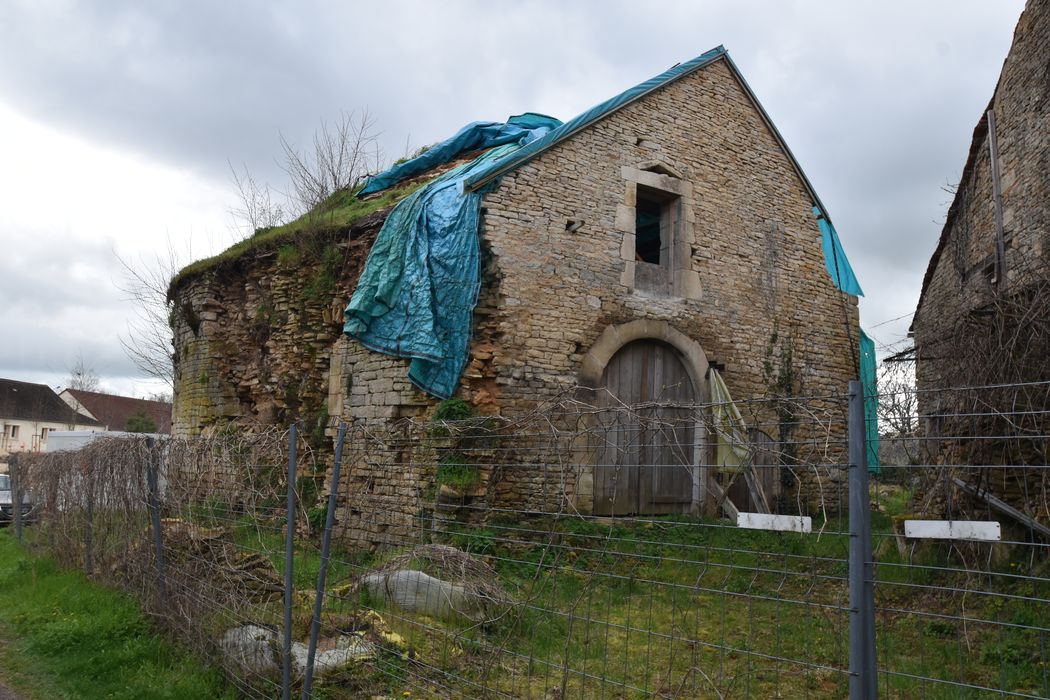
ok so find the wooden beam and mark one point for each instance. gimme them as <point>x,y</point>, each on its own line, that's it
<point>757,495</point>
<point>1003,507</point>
<point>722,499</point>
<point>997,200</point>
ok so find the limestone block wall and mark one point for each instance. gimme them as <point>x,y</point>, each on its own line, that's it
<point>259,340</point>
<point>972,329</point>
<point>960,277</point>
<point>755,266</point>
<point>558,259</point>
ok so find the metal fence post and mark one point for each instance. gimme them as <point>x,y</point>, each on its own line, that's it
<point>863,679</point>
<point>153,488</point>
<point>289,555</point>
<point>16,496</point>
<point>326,543</point>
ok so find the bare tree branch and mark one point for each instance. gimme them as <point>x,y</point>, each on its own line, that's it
<point>148,341</point>
<point>343,153</point>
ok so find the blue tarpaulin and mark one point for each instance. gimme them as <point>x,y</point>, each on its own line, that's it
<point>521,130</point>
<point>868,363</point>
<point>835,257</point>
<point>417,293</point>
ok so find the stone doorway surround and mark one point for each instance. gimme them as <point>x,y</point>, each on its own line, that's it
<point>590,380</point>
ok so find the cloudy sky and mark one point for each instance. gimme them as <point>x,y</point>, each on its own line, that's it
<point>118,119</point>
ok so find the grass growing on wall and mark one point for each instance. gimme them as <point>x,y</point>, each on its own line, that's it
<point>67,637</point>
<point>340,210</point>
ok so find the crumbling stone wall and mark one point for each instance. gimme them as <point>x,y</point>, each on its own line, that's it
<point>961,276</point>
<point>254,335</point>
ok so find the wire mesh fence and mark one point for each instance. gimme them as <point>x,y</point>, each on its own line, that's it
<point>588,549</point>
<point>975,594</point>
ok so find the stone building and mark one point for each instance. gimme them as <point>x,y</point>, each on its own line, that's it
<point>667,233</point>
<point>983,317</point>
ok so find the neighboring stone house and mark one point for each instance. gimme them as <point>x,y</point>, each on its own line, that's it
<point>117,413</point>
<point>983,317</point>
<point>670,233</point>
<point>994,249</point>
<point>29,412</point>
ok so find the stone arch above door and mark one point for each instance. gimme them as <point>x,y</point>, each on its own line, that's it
<point>615,337</point>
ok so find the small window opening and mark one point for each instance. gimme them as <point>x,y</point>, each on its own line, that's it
<point>648,242</point>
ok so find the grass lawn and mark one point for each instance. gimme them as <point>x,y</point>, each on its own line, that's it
<point>66,637</point>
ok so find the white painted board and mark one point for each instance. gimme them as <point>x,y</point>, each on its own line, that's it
<point>953,530</point>
<point>766,521</point>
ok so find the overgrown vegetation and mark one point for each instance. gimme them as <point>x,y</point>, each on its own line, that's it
<point>141,422</point>
<point>682,607</point>
<point>338,211</point>
<point>455,428</point>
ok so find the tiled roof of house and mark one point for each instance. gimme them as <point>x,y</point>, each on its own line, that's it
<point>114,411</point>
<point>37,402</point>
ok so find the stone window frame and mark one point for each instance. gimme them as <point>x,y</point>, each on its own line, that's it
<point>684,282</point>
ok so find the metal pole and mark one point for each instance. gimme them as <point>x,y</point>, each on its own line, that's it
<point>997,200</point>
<point>863,679</point>
<point>16,496</point>
<point>326,543</point>
<point>289,554</point>
<point>152,485</point>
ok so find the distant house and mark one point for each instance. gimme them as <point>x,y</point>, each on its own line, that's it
<point>29,412</point>
<point>121,413</point>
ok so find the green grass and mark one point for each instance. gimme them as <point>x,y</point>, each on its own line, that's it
<point>680,607</point>
<point>340,210</point>
<point>684,607</point>
<point>66,637</point>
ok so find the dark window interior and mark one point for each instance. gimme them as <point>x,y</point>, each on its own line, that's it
<point>647,244</point>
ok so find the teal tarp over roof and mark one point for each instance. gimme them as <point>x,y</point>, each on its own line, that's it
<point>835,257</point>
<point>483,175</point>
<point>416,295</point>
<point>868,364</point>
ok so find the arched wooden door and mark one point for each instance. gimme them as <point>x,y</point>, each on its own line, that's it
<point>645,461</point>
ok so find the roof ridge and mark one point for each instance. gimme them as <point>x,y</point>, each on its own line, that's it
<point>589,116</point>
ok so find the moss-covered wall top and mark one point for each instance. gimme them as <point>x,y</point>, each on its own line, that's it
<point>253,333</point>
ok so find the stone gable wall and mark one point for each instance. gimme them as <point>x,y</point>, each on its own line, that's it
<point>552,287</point>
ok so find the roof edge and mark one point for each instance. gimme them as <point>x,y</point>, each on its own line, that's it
<point>590,116</point>
<point>778,137</point>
